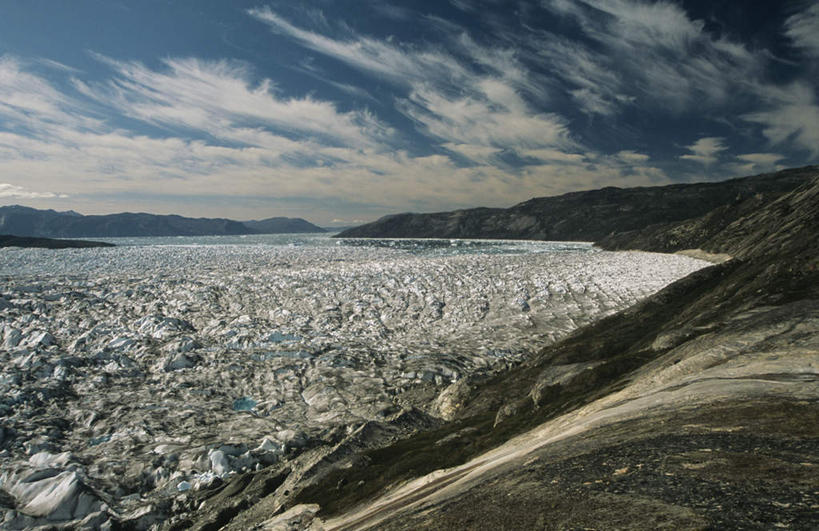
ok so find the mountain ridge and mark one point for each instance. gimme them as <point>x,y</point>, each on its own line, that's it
<point>32,222</point>
<point>590,215</point>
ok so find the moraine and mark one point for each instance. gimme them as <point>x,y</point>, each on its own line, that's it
<point>132,374</point>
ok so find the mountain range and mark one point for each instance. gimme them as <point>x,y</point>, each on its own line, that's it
<point>587,215</point>
<point>25,221</point>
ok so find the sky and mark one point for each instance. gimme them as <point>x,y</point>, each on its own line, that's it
<point>341,111</point>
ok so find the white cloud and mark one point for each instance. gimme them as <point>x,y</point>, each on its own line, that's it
<point>803,30</point>
<point>18,192</point>
<point>364,53</point>
<point>479,112</point>
<point>792,116</point>
<point>632,157</point>
<point>705,150</point>
<point>330,156</point>
<point>652,52</point>
<point>750,163</point>
<point>28,101</point>
<point>468,120</point>
<point>475,153</point>
<point>220,98</point>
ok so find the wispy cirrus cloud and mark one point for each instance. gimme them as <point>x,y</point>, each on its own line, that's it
<point>29,101</point>
<point>476,107</point>
<point>219,96</point>
<point>789,114</point>
<point>648,53</point>
<point>220,137</point>
<point>803,29</point>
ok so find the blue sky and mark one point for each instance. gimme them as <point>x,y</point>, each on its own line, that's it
<point>342,111</point>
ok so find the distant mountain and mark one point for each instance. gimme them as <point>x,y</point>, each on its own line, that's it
<point>7,240</point>
<point>585,216</point>
<point>282,225</point>
<point>25,221</point>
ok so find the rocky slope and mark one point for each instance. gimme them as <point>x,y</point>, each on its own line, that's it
<point>587,216</point>
<point>24,221</point>
<point>695,409</point>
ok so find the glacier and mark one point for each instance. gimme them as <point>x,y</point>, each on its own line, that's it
<point>152,370</point>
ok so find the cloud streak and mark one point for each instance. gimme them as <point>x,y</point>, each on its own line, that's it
<point>803,30</point>
<point>10,191</point>
<point>649,53</point>
<point>475,107</point>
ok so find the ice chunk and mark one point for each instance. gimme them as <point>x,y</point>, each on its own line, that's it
<point>244,404</point>
<point>219,464</point>
<point>46,460</point>
<point>121,344</point>
<point>278,337</point>
<point>267,445</point>
<point>41,339</point>
<point>54,496</point>
<point>182,361</point>
<point>12,337</point>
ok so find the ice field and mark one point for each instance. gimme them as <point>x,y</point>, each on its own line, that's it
<point>132,374</point>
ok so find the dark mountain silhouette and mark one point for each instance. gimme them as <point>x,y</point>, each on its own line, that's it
<point>282,225</point>
<point>585,216</point>
<point>7,240</point>
<point>25,221</point>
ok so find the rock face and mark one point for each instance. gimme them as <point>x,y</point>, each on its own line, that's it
<point>587,216</point>
<point>24,221</point>
<point>697,408</point>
